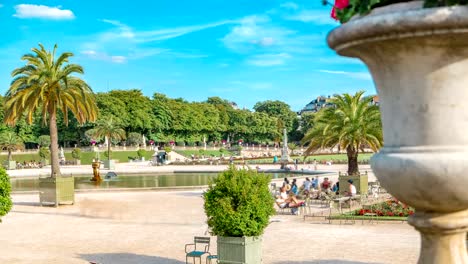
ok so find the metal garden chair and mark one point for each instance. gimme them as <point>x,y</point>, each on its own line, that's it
<point>200,247</point>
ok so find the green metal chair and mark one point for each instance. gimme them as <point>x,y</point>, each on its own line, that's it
<point>200,245</point>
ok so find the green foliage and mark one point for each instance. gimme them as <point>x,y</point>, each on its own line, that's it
<point>44,141</point>
<point>280,110</point>
<point>5,188</point>
<point>10,142</point>
<point>110,129</point>
<point>44,152</point>
<point>107,152</point>
<point>222,150</point>
<point>350,125</point>
<point>134,139</point>
<point>76,153</point>
<point>201,151</point>
<point>141,153</point>
<point>167,149</point>
<point>238,203</point>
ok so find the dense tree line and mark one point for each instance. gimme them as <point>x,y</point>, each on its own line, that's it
<point>164,119</point>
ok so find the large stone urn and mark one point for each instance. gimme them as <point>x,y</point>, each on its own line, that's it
<point>418,59</point>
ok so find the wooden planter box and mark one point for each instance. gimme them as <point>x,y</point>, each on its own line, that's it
<point>9,165</point>
<point>360,182</point>
<point>109,164</point>
<point>240,250</point>
<point>55,191</point>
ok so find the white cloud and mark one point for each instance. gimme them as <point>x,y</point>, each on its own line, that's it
<point>254,32</point>
<point>118,59</point>
<point>289,5</point>
<point>313,16</point>
<point>42,11</point>
<point>89,52</point>
<point>169,33</point>
<point>356,75</point>
<point>266,60</point>
<point>104,56</point>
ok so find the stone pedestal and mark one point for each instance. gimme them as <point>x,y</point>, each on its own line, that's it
<point>418,59</point>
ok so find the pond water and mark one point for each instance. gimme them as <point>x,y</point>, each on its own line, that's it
<point>134,181</point>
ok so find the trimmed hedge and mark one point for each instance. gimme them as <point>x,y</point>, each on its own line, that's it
<point>5,189</point>
<point>238,203</point>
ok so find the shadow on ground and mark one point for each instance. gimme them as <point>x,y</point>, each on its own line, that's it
<point>27,203</point>
<point>126,258</point>
<point>325,261</point>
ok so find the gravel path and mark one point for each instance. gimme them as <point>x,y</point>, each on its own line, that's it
<point>153,227</point>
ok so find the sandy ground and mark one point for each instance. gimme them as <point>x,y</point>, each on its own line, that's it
<point>153,227</point>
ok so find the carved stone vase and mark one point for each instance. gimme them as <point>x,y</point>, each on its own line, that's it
<point>418,58</point>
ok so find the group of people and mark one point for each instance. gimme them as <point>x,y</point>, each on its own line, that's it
<point>30,165</point>
<point>289,192</point>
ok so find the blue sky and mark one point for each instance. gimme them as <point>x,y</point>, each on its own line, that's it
<point>244,51</point>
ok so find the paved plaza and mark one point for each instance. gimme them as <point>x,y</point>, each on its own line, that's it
<point>153,227</point>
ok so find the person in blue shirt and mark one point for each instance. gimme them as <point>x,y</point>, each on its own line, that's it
<point>294,188</point>
<point>315,183</point>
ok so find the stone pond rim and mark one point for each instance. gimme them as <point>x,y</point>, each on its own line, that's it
<point>399,21</point>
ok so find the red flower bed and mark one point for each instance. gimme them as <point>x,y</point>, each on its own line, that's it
<point>391,207</point>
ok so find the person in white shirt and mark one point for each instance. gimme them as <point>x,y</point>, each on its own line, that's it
<point>352,189</point>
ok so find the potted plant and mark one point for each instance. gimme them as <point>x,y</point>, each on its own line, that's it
<point>238,206</point>
<point>9,141</point>
<point>76,155</point>
<point>417,54</point>
<point>44,153</point>
<point>5,188</point>
<point>141,154</point>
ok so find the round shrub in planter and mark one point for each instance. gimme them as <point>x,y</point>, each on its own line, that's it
<point>76,155</point>
<point>238,205</point>
<point>5,188</point>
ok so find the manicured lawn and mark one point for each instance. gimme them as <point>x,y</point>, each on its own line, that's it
<point>86,157</point>
<point>208,153</point>
<point>335,158</point>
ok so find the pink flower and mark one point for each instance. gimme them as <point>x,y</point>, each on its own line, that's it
<point>339,4</point>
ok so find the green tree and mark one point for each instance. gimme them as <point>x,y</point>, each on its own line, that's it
<point>48,84</point>
<point>110,129</point>
<point>280,110</point>
<point>292,146</point>
<point>10,142</point>
<point>44,141</point>
<point>134,139</point>
<point>352,124</point>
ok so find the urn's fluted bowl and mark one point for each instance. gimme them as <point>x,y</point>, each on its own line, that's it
<point>418,59</point>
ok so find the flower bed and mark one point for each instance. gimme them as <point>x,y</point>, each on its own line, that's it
<point>390,208</point>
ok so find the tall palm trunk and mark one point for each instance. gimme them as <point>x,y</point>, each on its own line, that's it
<point>352,154</point>
<point>54,158</point>
<point>108,148</point>
<point>9,154</point>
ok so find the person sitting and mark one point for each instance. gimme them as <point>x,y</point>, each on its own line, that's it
<point>294,188</point>
<point>281,198</point>
<point>315,183</point>
<point>336,187</point>
<point>306,185</point>
<point>326,185</point>
<point>351,190</point>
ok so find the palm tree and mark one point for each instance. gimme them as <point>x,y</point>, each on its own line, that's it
<point>47,84</point>
<point>292,146</point>
<point>9,141</point>
<point>110,129</point>
<point>354,123</point>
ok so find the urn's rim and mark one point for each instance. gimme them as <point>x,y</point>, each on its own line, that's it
<point>400,20</point>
